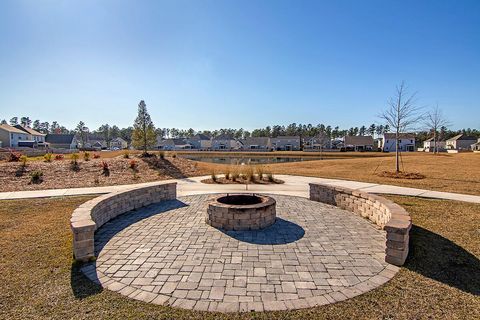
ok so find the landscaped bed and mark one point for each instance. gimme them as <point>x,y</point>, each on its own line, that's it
<point>440,279</point>
<point>61,174</point>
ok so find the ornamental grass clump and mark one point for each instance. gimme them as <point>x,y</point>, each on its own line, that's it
<point>86,156</point>
<point>234,175</point>
<point>23,161</point>
<point>96,156</point>
<point>228,173</point>
<point>270,177</point>
<point>161,154</point>
<point>248,173</point>
<point>133,165</point>
<point>59,157</point>
<point>105,168</point>
<point>260,172</point>
<point>126,154</point>
<point>36,176</point>
<point>48,157</point>
<point>14,156</point>
<point>214,176</point>
<point>74,162</point>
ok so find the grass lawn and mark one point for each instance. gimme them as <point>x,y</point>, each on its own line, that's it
<point>440,280</point>
<point>444,172</point>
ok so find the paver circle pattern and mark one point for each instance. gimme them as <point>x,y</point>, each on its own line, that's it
<point>313,255</point>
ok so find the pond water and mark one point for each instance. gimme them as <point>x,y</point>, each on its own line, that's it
<point>248,159</point>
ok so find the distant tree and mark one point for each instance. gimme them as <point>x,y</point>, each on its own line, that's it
<point>434,121</point>
<point>3,121</point>
<point>114,132</point>
<point>25,121</point>
<point>105,131</point>
<point>401,115</point>
<point>36,125</point>
<point>14,121</point>
<point>362,131</point>
<point>45,127</point>
<point>82,131</point>
<point>143,135</point>
<point>371,129</point>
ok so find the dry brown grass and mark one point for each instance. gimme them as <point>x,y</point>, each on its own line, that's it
<point>39,281</point>
<point>444,172</point>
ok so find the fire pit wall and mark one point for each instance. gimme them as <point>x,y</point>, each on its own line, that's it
<point>391,217</point>
<point>241,217</point>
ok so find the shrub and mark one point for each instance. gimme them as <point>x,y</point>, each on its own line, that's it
<point>23,160</point>
<point>59,157</point>
<point>86,156</point>
<point>14,156</point>
<point>214,176</point>
<point>270,177</point>
<point>36,176</point>
<point>234,173</point>
<point>105,168</point>
<point>48,157</point>
<point>228,173</point>
<point>260,172</point>
<point>133,165</point>
<point>174,155</point>
<point>126,154</point>
<point>248,173</point>
<point>96,181</point>
<point>96,156</point>
<point>74,163</point>
<point>161,154</point>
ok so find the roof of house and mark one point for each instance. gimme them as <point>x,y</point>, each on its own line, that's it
<point>223,137</point>
<point>400,136</point>
<point>359,140</point>
<point>59,138</point>
<point>201,136</point>
<point>431,140</point>
<point>256,141</point>
<point>9,128</point>
<point>287,137</point>
<point>462,137</point>
<point>120,139</point>
<point>29,130</point>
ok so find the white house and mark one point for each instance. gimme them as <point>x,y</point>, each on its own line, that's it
<point>429,145</point>
<point>406,142</point>
<point>460,142</point>
<point>12,137</point>
<point>36,136</point>
<point>257,143</point>
<point>61,141</point>
<point>174,144</point>
<point>200,142</point>
<point>476,146</point>
<point>118,143</point>
<point>286,143</point>
<point>225,142</point>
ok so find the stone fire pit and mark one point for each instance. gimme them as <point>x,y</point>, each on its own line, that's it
<point>241,212</point>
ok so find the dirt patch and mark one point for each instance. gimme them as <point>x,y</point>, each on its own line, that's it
<point>401,175</point>
<point>60,174</point>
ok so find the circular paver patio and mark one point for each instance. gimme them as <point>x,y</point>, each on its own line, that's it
<point>314,254</point>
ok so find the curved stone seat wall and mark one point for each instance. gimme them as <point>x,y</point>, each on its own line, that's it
<point>92,214</point>
<point>388,215</point>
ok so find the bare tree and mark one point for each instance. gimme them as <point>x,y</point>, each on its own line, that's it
<point>435,120</point>
<point>401,116</point>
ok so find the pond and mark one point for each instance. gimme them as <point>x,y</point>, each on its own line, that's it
<point>248,159</point>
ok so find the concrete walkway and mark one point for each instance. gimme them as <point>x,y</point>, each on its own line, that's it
<point>294,185</point>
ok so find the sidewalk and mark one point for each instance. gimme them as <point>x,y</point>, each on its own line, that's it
<point>294,185</point>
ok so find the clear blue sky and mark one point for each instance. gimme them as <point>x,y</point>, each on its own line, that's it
<point>245,63</point>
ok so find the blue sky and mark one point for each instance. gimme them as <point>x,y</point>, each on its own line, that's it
<point>249,63</point>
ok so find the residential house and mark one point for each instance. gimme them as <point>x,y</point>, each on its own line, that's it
<point>225,142</point>
<point>429,145</point>
<point>317,143</point>
<point>286,143</point>
<point>61,141</point>
<point>96,144</point>
<point>174,144</point>
<point>36,136</point>
<point>359,143</point>
<point>118,143</point>
<point>460,142</point>
<point>200,142</point>
<point>257,143</point>
<point>476,146</point>
<point>406,142</point>
<point>13,137</point>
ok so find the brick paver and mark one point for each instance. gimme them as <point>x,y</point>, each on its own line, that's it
<point>314,254</point>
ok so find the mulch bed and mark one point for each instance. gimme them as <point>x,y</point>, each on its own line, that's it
<point>401,175</point>
<point>59,174</point>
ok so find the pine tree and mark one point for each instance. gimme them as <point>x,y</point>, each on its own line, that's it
<point>143,135</point>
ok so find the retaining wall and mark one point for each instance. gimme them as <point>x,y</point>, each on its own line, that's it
<point>92,214</point>
<point>388,215</point>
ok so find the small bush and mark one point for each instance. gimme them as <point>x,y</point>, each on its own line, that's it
<point>48,157</point>
<point>96,181</point>
<point>74,162</point>
<point>270,177</point>
<point>133,165</point>
<point>234,175</point>
<point>86,156</point>
<point>14,156</point>
<point>214,176</point>
<point>126,154</point>
<point>161,154</point>
<point>96,156</point>
<point>36,176</point>
<point>260,173</point>
<point>248,173</point>
<point>105,168</point>
<point>59,157</point>
<point>174,155</point>
<point>228,173</point>
<point>23,160</point>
